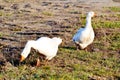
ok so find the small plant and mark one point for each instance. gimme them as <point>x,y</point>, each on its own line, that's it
<point>4,14</point>
<point>47,13</point>
<point>1,13</point>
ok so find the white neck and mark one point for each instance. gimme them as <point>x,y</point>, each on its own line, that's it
<point>27,48</point>
<point>88,22</point>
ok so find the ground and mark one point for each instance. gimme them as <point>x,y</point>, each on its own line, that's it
<point>23,20</point>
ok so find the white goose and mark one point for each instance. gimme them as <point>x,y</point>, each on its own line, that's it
<point>85,36</point>
<point>46,46</point>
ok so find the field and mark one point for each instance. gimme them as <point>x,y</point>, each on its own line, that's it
<point>23,20</point>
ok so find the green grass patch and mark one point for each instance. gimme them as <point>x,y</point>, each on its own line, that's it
<point>101,21</point>
<point>115,9</point>
<point>5,14</point>
<point>47,13</point>
<point>76,65</point>
<point>115,41</point>
<point>106,24</point>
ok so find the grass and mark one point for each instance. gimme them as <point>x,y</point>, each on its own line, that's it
<point>5,14</point>
<point>1,34</point>
<point>47,13</point>
<point>115,9</point>
<point>102,23</point>
<point>106,24</point>
<point>112,9</point>
<point>101,20</point>
<point>79,65</point>
<point>71,64</point>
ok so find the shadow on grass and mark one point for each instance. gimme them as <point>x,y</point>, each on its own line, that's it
<point>69,47</point>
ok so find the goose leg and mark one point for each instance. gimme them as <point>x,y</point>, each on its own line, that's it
<point>46,61</point>
<point>38,62</point>
<point>86,49</point>
<point>77,46</point>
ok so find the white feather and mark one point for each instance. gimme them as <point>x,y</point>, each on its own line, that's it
<point>85,36</point>
<point>46,46</point>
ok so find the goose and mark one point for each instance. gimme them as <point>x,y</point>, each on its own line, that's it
<point>44,45</point>
<point>85,36</point>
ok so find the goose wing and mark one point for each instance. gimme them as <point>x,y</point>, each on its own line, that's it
<point>82,36</point>
<point>78,34</point>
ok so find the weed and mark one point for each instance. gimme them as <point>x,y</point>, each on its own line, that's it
<point>5,14</point>
<point>47,13</point>
<point>1,34</point>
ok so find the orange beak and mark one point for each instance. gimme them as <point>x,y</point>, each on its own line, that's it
<point>94,14</point>
<point>22,58</point>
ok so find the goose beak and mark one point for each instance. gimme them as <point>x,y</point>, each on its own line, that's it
<point>95,15</point>
<point>22,58</point>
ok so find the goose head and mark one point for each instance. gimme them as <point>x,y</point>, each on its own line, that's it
<point>91,14</point>
<point>22,57</point>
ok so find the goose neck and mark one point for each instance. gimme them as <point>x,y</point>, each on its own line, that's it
<point>88,21</point>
